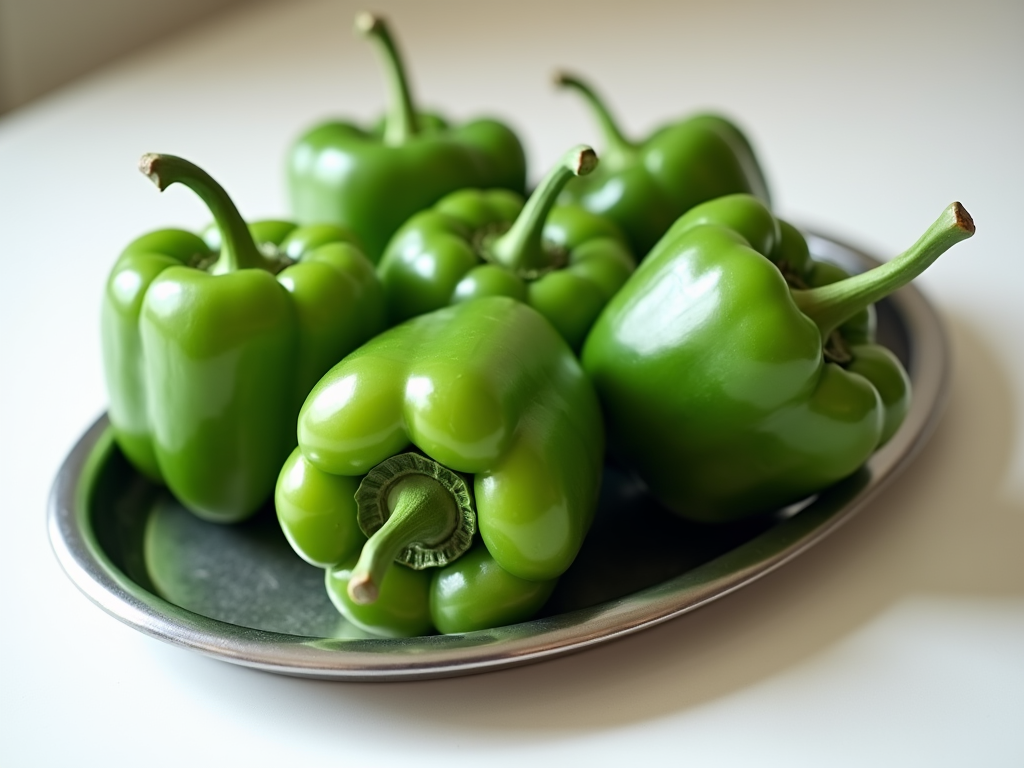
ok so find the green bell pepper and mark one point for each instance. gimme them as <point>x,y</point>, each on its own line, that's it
<point>209,352</point>
<point>645,186</point>
<point>476,416</point>
<point>372,181</point>
<point>469,594</point>
<point>738,375</point>
<point>563,261</point>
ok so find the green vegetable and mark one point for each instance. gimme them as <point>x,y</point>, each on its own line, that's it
<point>476,417</point>
<point>402,608</point>
<point>645,186</point>
<point>476,593</point>
<point>372,181</point>
<point>738,375</point>
<point>564,261</point>
<point>469,594</point>
<point>209,354</point>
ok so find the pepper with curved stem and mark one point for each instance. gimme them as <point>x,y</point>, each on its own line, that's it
<point>371,181</point>
<point>715,373</point>
<point>645,186</point>
<point>208,356</point>
<point>501,415</point>
<point>562,260</point>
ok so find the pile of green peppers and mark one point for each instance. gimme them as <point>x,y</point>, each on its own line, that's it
<point>421,375</point>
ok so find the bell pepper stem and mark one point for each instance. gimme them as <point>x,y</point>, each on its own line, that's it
<point>829,306</point>
<point>400,122</point>
<point>238,249</point>
<point>422,512</point>
<point>618,150</point>
<point>521,248</point>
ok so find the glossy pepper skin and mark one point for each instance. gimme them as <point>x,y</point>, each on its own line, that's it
<point>645,186</point>
<point>209,353</point>
<point>484,392</point>
<point>563,261</point>
<point>371,181</point>
<point>733,390</point>
<point>470,594</point>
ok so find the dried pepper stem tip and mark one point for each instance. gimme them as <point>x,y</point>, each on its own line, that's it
<point>362,589</point>
<point>963,219</point>
<point>147,165</point>
<point>367,22</point>
<point>586,161</point>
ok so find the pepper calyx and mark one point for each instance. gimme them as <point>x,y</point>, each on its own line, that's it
<point>416,512</point>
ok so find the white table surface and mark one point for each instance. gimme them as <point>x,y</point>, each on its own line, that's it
<point>898,641</point>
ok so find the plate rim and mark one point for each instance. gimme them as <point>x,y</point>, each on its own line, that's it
<point>91,570</point>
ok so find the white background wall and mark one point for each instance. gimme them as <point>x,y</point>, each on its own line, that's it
<point>45,43</point>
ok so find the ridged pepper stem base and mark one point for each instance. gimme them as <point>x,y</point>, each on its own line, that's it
<point>521,249</point>
<point>415,512</point>
<point>829,306</point>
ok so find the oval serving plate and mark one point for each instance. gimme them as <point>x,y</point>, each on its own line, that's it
<point>239,594</point>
